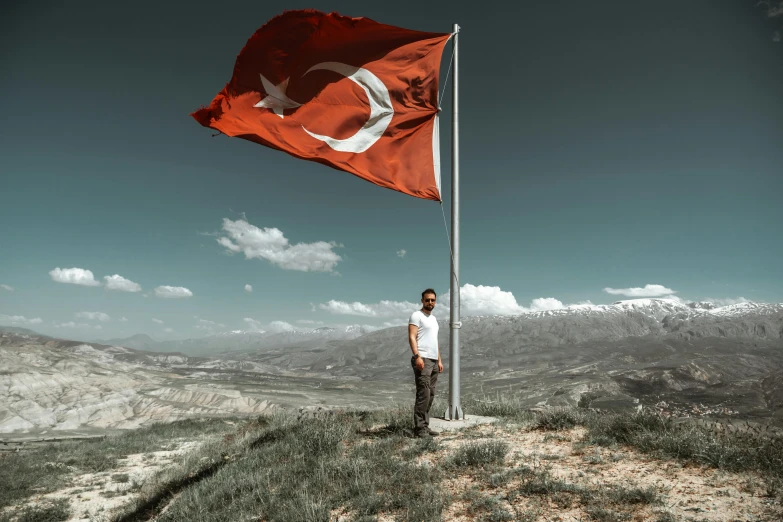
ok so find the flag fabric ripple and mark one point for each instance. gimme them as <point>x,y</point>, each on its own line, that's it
<point>350,93</point>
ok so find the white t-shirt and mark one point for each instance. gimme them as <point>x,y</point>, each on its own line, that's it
<point>427,337</point>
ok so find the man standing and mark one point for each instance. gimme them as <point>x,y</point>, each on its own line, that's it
<point>426,361</point>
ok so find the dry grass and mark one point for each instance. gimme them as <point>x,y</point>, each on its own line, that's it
<point>559,465</point>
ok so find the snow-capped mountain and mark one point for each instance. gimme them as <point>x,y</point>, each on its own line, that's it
<point>657,308</point>
<point>631,318</point>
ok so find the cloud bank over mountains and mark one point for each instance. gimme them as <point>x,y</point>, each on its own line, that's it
<point>475,300</point>
<point>380,309</point>
<point>274,327</point>
<point>646,291</point>
<point>19,319</point>
<point>93,316</point>
<point>478,300</point>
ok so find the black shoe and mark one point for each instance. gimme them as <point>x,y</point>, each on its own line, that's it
<point>422,435</point>
<point>433,433</point>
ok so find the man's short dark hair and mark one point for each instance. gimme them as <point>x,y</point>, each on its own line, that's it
<point>428,291</point>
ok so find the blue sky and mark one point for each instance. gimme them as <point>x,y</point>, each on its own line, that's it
<point>602,147</point>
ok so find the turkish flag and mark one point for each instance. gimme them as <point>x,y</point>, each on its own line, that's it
<point>351,93</point>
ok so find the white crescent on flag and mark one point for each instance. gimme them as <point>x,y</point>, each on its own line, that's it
<point>381,110</point>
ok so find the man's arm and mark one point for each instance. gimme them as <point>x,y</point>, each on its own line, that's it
<point>413,332</point>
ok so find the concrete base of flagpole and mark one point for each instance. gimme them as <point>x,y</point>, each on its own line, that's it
<point>454,425</point>
<point>454,413</point>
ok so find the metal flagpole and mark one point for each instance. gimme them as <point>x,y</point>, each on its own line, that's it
<point>455,408</point>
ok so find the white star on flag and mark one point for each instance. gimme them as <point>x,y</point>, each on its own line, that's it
<point>276,98</point>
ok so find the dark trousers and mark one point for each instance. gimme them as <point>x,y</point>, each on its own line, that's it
<point>426,380</point>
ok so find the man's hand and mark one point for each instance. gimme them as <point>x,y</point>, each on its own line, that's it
<point>419,363</point>
<point>440,366</point>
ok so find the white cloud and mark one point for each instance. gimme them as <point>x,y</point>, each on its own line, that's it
<point>7,287</point>
<point>248,288</point>
<point>74,276</point>
<point>281,326</point>
<point>546,303</point>
<point>487,300</point>
<point>254,325</point>
<point>93,316</point>
<point>727,301</point>
<point>168,330</point>
<point>98,327</point>
<point>774,10</point>
<point>19,319</point>
<point>776,36</point>
<point>210,323</point>
<point>647,291</point>
<point>270,244</point>
<point>310,322</point>
<point>343,308</point>
<point>154,320</point>
<point>172,292</point>
<point>389,324</point>
<point>71,324</point>
<point>123,320</point>
<point>475,300</point>
<point>401,253</point>
<point>273,327</point>
<point>380,309</point>
<point>117,282</point>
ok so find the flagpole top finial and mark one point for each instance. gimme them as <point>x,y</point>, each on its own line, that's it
<point>456,28</point>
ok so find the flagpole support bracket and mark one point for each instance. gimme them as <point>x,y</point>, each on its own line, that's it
<point>454,413</point>
<point>458,324</point>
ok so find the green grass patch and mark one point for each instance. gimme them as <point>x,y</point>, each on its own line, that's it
<point>479,453</point>
<point>50,511</point>
<point>311,467</point>
<point>731,447</point>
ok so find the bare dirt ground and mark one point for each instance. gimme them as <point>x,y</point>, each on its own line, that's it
<point>688,492</point>
<point>93,497</point>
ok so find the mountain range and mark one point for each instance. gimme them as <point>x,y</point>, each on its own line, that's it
<point>241,340</point>
<point>685,359</point>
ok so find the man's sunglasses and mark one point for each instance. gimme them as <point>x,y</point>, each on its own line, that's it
<point>427,300</point>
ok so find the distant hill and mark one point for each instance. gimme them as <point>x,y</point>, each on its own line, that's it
<point>243,341</point>
<point>135,342</point>
<point>17,330</point>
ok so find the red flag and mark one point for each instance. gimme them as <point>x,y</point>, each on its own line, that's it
<point>348,92</point>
